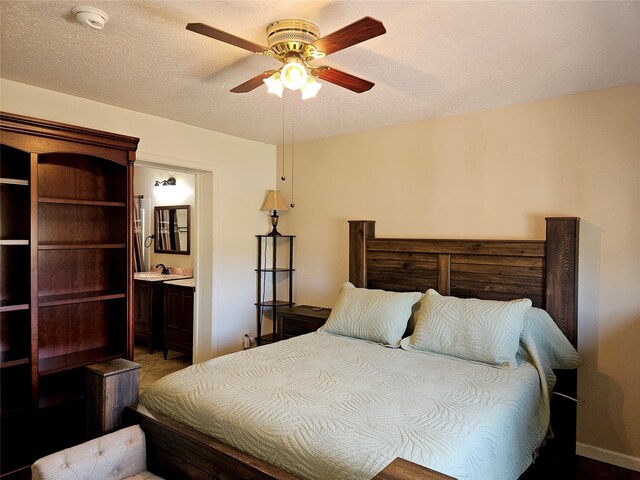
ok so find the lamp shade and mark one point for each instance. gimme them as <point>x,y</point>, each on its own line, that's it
<point>274,84</point>
<point>273,201</point>
<point>293,75</point>
<point>310,88</point>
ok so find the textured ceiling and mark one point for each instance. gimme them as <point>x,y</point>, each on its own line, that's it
<point>436,59</point>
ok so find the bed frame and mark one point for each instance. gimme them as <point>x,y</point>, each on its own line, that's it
<point>543,270</point>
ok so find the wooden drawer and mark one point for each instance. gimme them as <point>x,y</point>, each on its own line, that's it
<point>142,328</point>
<point>292,327</point>
<point>301,319</point>
<point>177,337</point>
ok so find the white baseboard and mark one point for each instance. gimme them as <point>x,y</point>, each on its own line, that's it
<point>607,456</point>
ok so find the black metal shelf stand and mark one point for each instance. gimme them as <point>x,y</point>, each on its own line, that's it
<point>276,268</point>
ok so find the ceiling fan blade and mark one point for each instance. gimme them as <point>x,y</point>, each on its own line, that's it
<point>216,34</point>
<point>342,79</point>
<point>357,32</point>
<point>253,83</point>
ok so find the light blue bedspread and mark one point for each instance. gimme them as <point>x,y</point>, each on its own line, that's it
<point>328,407</point>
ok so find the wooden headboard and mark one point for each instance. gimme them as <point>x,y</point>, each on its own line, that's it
<point>545,271</point>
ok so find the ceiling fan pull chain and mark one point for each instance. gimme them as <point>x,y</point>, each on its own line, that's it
<point>292,155</point>
<point>283,178</point>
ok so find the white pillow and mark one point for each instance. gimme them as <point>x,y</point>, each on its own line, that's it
<point>486,331</point>
<point>374,315</point>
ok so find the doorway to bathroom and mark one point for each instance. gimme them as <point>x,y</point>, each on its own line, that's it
<point>175,203</point>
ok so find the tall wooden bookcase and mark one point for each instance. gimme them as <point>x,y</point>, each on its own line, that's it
<point>66,276</point>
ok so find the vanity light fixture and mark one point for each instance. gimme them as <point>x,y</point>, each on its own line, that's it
<point>164,183</point>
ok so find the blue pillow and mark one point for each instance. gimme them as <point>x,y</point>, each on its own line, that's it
<point>486,331</point>
<point>375,315</point>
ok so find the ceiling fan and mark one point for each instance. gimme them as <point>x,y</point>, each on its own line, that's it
<point>296,43</point>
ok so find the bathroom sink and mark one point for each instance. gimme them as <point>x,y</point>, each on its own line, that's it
<point>147,275</point>
<point>157,277</point>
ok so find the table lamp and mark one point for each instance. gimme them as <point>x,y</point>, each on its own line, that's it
<point>272,203</point>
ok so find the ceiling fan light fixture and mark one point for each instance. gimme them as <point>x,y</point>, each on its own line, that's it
<point>294,75</point>
<point>274,84</point>
<point>311,88</point>
<point>295,43</point>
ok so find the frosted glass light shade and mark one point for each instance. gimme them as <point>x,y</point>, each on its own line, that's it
<point>274,85</point>
<point>293,75</point>
<point>310,88</point>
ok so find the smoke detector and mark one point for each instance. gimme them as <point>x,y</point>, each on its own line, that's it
<point>90,17</point>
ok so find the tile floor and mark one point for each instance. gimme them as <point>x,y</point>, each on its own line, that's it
<point>153,365</point>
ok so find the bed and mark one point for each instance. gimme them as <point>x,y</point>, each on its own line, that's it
<point>348,414</point>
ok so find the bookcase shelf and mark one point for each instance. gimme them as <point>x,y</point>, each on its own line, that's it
<point>15,305</point>
<point>13,242</point>
<point>14,181</point>
<point>65,272</point>
<point>69,361</point>
<point>13,359</point>
<point>80,246</point>
<point>12,306</point>
<point>79,297</point>
<point>73,201</point>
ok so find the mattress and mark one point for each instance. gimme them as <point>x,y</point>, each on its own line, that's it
<point>323,406</point>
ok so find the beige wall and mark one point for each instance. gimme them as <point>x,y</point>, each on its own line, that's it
<point>232,177</point>
<point>497,174</point>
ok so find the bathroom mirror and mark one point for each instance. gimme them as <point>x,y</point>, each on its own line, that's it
<point>171,229</point>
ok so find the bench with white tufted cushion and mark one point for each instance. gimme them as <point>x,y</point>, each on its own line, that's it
<point>120,455</point>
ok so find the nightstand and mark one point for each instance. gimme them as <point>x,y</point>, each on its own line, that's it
<point>300,319</point>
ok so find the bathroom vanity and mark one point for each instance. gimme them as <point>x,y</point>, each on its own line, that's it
<point>148,315</point>
<point>178,316</point>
